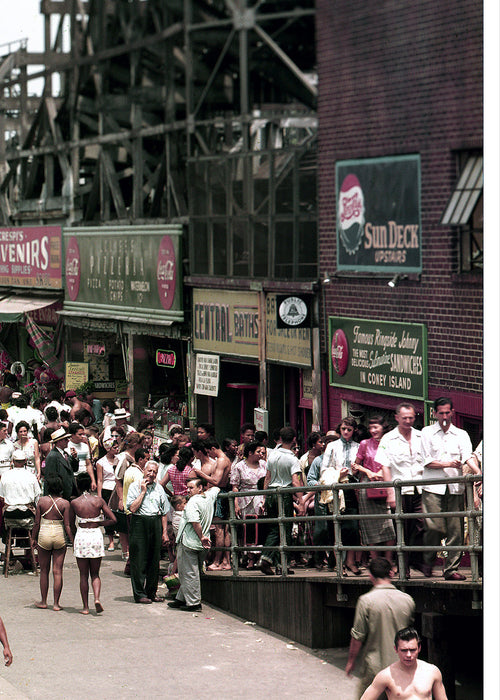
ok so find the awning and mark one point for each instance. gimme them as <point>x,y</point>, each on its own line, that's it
<point>466,194</point>
<point>13,307</point>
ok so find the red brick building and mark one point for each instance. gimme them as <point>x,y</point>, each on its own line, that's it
<point>401,83</point>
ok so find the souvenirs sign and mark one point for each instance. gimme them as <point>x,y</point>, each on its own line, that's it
<point>378,214</point>
<point>382,357</point>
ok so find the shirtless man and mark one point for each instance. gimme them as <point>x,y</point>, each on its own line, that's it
<point>408,678</point>
<point>218,475</point>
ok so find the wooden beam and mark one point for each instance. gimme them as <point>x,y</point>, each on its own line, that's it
<point>112,180</point>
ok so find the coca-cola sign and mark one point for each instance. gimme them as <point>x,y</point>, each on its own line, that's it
<point>340,352</point>
<point>72,268</point>
<point>165,272</point>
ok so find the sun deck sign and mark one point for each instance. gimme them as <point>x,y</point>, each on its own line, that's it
<point>378,214</point>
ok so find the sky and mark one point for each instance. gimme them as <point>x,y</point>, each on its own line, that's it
<point>22,20</point>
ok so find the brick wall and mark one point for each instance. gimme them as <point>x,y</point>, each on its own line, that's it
<point>399,78</point>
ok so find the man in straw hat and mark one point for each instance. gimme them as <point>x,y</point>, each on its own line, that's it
<point>120,416</point>
<point>59,462</point>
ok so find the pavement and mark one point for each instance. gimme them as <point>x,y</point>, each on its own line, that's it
<point>133,650</point>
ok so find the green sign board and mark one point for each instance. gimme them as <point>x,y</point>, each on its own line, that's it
<point>382,357</point>
<point>378,214</point>
<point>124,272</point>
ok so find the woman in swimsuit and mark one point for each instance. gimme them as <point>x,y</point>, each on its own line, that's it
<point>51,524</point>
<point>88,513</point>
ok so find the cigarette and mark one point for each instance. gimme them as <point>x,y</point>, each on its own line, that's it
<point>444,424</point>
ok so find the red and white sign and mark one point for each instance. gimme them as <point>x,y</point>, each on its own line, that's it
<point>31,257</point>
<point>73,268</point>
<point>340,352</point>
<point>165,272</point>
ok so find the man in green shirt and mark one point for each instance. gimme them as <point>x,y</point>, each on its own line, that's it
<point>192,542</point>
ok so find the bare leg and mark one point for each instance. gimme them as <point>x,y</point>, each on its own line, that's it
<point>95,565</point>
<point>219,542</point>
<point>226,556</point>
<point>83,566</point>
<point>123,543</point>
<point>58,561</point>
<point>44,559</point>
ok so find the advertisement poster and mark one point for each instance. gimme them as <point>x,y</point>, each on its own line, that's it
<point>31,257</point>
<point>378,215</point>
<point>76,374</point>
<point>124,271</point>
<point>382,357</point>
<point>207,374</point>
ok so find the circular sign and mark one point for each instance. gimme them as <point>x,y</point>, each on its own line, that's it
<point>166,272</point>
<point>73,268</point>
<point>340,352</point>
<point>293,311</point>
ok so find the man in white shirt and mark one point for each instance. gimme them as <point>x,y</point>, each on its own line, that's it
<point>19,489</point>
<point>446,448</point>
<point>400,454</point>
<point>283,469</point>
<point>6,448</point>
<point>120,416</point>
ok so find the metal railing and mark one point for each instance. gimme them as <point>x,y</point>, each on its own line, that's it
<point>337,517</point>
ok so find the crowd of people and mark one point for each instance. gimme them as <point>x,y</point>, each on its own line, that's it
<point>79,467</point>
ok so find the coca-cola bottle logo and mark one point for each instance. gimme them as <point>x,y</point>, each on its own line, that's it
<point>73,268</point>
<point>340,352</point>
<point>166,272</point>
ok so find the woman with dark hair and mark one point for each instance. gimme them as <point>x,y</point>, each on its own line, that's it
<point>245,476</point>
<point>88,513</point>
<point>180,463</point>
<point>51,524</point>
<point>106,480</point>
<point>373,501</point>
<point>29,445</point>
<point>339,456</point>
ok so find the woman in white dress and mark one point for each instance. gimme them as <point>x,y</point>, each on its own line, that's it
<point>88,513</point>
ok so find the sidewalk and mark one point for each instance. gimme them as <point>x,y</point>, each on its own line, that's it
<point>134,650</point>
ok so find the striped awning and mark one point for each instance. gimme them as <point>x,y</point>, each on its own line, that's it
<point>466,194</point>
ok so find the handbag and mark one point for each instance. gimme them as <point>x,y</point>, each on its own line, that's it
<point>376,493</point>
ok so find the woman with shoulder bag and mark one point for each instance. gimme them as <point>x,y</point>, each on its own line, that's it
<point>373,501</point>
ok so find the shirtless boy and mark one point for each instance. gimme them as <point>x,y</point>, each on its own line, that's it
<point>409,678</point>
<point>218,475</point>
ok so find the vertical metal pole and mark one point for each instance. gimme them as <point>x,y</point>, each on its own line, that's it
<point>234,536</point>
<point>282,530</point>
<point>400,533</point>
<point>472,528</point>
<point>316,368</point>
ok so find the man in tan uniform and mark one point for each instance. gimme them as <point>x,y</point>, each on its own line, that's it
<point>380,613</point>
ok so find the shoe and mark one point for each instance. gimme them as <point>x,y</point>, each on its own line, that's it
<point>455,576</point>
<point>266,568</point>
<point>191,608</point>
<point>355,570</point>
<point>175,603</point>
<point>426,569</point>
<point>289,572</point>
<point>319,567</point>
<point>157,599</point>
<point>111,548</point>
<point>144,601</point>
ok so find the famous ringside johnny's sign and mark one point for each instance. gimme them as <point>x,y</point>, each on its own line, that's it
<point>384,357</point>
<point>378,214</point>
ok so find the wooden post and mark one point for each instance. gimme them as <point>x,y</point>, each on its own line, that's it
<point>439,651</point>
